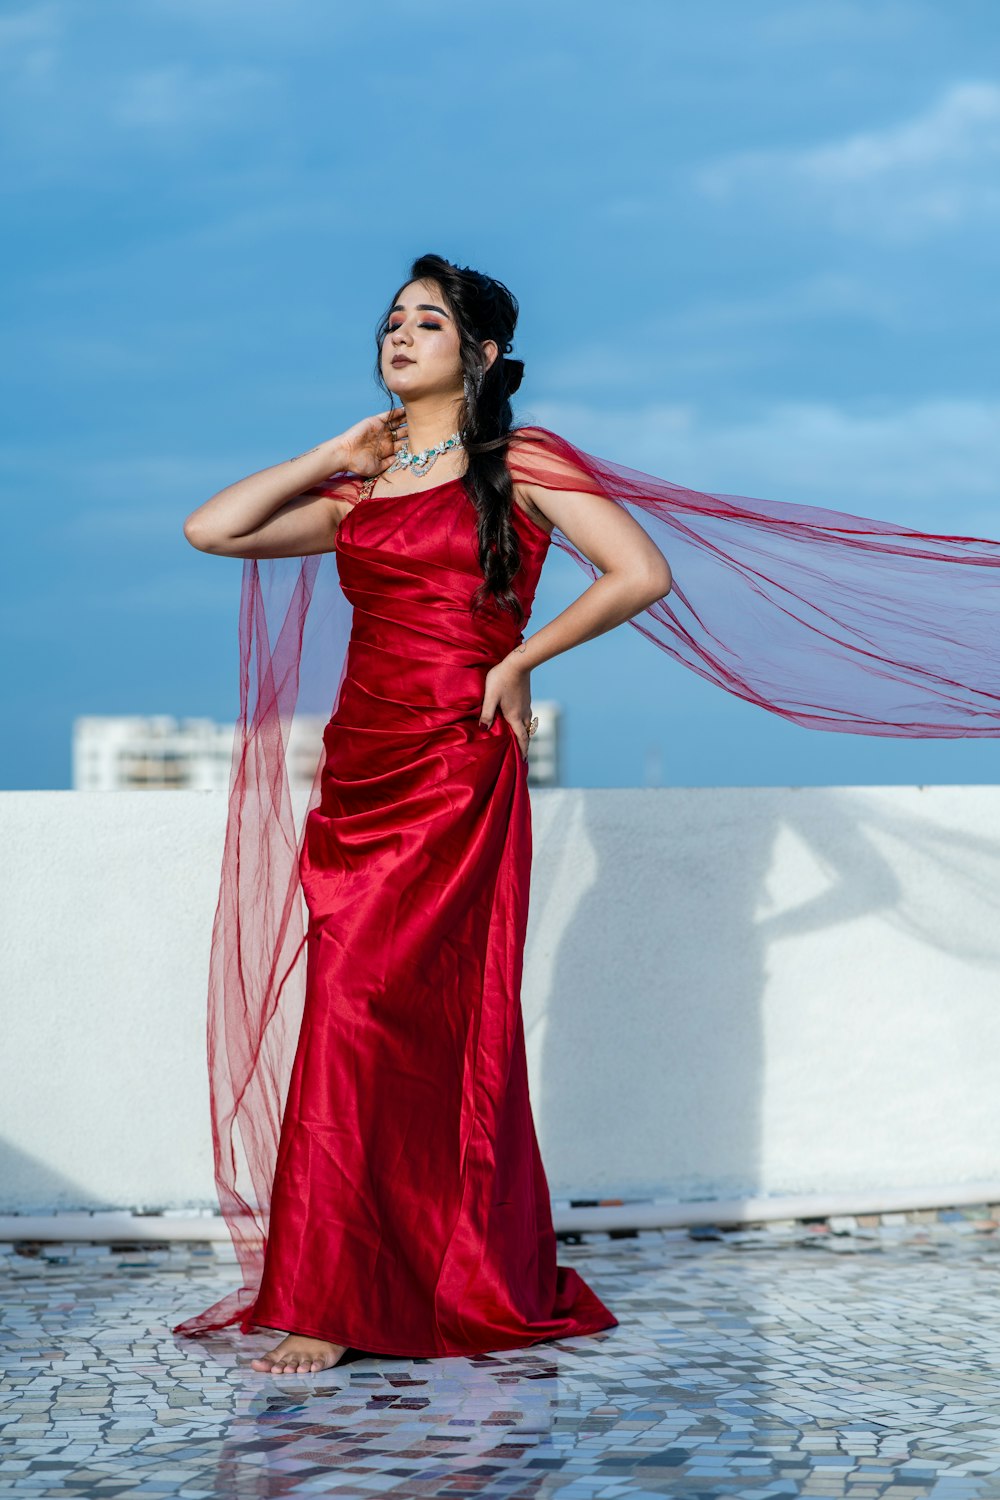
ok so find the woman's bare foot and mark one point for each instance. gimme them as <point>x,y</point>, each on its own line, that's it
<point>298,1355</point>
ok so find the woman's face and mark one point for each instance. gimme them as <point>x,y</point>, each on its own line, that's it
<point>422,338</point>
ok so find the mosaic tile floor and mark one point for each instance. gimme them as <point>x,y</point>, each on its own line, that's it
<point>759,1363</point>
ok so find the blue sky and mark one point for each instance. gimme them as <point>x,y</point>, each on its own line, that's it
<point>754,246</point>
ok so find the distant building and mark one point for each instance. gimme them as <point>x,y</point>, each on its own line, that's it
<point>136,752</point>
<point>544,747</point>
<point>156,751</point>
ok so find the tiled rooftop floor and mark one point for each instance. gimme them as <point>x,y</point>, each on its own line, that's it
<point>773,1362</point>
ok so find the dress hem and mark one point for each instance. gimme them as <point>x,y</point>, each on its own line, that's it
<point>410,1353</point>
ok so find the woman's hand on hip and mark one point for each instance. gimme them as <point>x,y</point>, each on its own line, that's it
<point>508,688</point>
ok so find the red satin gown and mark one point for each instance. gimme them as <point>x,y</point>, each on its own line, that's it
<point>410,1211</point>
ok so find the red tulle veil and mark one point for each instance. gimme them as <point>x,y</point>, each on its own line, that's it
<point>830,620</point>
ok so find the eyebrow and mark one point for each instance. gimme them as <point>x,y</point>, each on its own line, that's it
<point>421,307</point>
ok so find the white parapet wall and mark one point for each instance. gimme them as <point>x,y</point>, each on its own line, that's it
<point>729,993</point>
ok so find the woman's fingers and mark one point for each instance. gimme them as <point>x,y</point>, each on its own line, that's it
<point>488,711</point>
<point>397,433</point>
<point>497,695</point>
<point>518,729</point>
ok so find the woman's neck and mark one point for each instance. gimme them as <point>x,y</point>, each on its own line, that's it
<point>429,422</point>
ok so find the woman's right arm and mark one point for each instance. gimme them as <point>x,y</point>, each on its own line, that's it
<point>273,514</point>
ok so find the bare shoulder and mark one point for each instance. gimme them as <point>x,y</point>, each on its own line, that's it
<point>529,439</point>
<point>524,442</point>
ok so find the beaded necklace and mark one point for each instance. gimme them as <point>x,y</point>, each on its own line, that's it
<point>420,463</point>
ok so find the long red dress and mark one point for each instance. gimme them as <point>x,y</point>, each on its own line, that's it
<point>410,1211</point>
<point>375,1155</point>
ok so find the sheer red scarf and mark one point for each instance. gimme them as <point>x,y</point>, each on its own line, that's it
<point>830,620</point>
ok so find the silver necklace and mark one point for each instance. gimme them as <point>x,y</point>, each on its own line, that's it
<point>420,463</point>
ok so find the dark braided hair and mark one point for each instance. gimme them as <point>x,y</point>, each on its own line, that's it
<point>483,308</point>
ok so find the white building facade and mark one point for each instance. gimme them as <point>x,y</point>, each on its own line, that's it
<point>157,752</point>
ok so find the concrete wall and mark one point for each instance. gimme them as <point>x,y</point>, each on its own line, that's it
<point>727,991</point>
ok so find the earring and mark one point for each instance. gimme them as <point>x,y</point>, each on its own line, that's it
<point>469,386</point>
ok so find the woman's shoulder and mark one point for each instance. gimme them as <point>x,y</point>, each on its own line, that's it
<point>531,437</point>
<point>537,456</point>
<point>527,449</point>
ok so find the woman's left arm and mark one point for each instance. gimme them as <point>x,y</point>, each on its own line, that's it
<point>634,574</point>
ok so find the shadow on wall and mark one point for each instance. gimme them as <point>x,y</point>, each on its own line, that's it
<point>678,949</point>
<point>26,1178</point>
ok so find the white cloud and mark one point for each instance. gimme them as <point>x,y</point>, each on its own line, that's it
<point>827,294</point>
<point>28,27</point>
<point>963,127</point>
<point>823,22</point>
<point>936,171</point>
<point>64,112</point>
<point>705,336</point>
<point>931,464</point>
<point>29,43</point>
<point>176,97</point>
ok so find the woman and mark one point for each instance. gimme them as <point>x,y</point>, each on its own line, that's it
<point>409,1212</point>
<point>374,1147</point>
